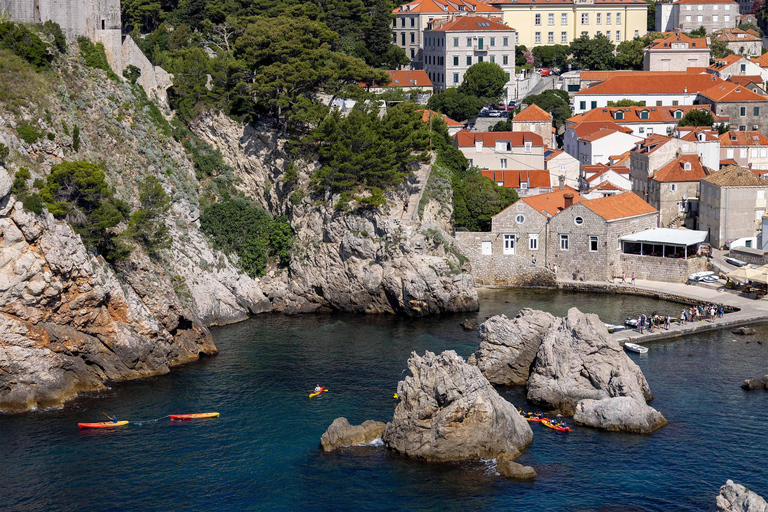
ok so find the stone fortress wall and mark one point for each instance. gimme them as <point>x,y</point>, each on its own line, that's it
<point>98,20</point>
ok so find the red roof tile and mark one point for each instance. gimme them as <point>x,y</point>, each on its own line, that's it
<point>675,171</point>
<point>512,178</point>
<point>761,61</point>
<point>405,78</point>
<point>665,43</point>
<point>533,113</point>
<point>426,114</point>
<point>468,23</point>
<point>737,138</point>
<point>466,138</point>
<point>552,203</point>
<point>588,128</point>
<point>653,84</point>
<point>606,185</point>
<point>734,35</point>
<point>605,132</point>
<point>661,114</point>
<point>708,2</point>
<point>728,91</point>
<point>619,206</point>
<point>442,7</point>
<point>735,176</point>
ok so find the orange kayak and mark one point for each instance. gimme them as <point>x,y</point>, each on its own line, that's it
<point>551,424</point>
<point>195,416</point>
<point>103,424</point>
<point>315,393</point>
<point>531,418</point>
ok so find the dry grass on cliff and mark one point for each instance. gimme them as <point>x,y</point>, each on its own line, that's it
<point>21,85</point>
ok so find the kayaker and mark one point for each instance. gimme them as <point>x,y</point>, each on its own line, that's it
<point>318,388</point>
<point>114,419</point>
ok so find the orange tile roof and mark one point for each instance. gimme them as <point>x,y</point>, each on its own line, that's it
<point>439,7</point>
<point>620,159</point>
<point>746,80</point>
<point>728,91</point>
<point>652,84</point>
<point>725,62</point>
<point>651,143</point>
<point>619,206</point>
<point>727,161</point>
<point>734,35</point>
<point>692,133</point>
<point>675,170</point>
<point>607,185</point>
<point>607,75</point>
<point>426,114</point>
<point>512,178</point>
<point>605,132</point>
<point>736,138</point>
<point>760,173</point>
<point>601,169</point>
<point>552,203</point>
<point>404,78</point>
<point>468,23</point>
<point>661,114</point>
<point>761,61</point>
<point>735,176</point>
<point>707,2</point>
<point>550,153</point>
<point>466,138</point>
<point>587,128</point>
<point>559,2</point>
<point>665,43</point>
<point>533,113</point>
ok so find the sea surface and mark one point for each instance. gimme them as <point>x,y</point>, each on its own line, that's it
<point>263,452</point>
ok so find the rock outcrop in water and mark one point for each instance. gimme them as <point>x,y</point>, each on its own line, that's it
<point>734,497</point>
<point>621,413</point>
<point>448,411</point>
<point>506,467</point>
<point>341,434</point>
<point>565,361</point>
<point>508,347</point>
<point>757,383</point>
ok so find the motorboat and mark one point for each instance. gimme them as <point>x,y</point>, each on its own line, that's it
<point>702,276</point>
<point>639,349</point>
<point>614,328</point>
<point>631,322</point>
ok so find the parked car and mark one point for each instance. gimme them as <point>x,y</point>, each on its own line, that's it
<point>736,262</point>
<point>512,105</point>
<point>545,71</point>
<point>494,113</point>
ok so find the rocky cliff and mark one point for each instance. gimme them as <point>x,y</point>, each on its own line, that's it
<point>72,322</point>
<point>734,497</point>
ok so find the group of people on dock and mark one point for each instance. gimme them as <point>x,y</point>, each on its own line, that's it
<point>652,322</point>
<point>702,312</point>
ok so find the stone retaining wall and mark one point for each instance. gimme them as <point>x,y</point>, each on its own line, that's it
<point>498,269</point>
<point>749,255</point>
<point>668,270</point>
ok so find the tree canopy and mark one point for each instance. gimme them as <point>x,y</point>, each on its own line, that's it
<point>594,54</point>
<point>477,199</point>
<point>697,118</point>
<point>553,101</point>
<point>552,56</point>
<point>484,80</point>
<point>719,49</point>
<point>456,105</point>
<point>630,54</point>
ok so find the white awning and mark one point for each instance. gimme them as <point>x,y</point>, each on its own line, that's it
<point>667,236</point>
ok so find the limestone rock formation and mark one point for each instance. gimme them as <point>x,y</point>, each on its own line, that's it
<point>341,434</point>
<point>744,331</point>
<point>622,413</point>
<point>578,360</point>
<point>68,324</point>
<point>449,411</point>
<point>734,497</point>
<point>508,347</point>
<point>757,383</point>
<point>506,467</point>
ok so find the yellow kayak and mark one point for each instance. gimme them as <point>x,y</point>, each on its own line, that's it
<point>102,424</point>
<point>315,393</point>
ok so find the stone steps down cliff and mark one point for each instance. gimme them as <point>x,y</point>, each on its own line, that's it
<point>447,411</point>
<point>570,365</point>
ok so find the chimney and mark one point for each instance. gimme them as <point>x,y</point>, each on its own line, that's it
<point>561,178</point>
<point>568,199</point>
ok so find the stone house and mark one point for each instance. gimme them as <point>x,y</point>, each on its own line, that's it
<point>563,166</point>
<point>411,19</point>
<point>747,149</point>
<point>732,66</point>
<point>453,45</point>
<point>674,191</point>
<point>414,83</point>
<point>732,204</point>
<point>594,175</point>
<point>676,52</point>
<point>501,150</point>
<point>525,183</point>
<point>688,15</point>
<point>534,119</point>
<point>745,109</point>
<point>740,41</point>
<point>585,238</point>
<point>649,155</point>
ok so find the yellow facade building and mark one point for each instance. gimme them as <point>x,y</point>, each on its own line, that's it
<point>547,22</point>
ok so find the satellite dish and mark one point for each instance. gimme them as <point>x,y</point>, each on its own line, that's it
<point>685,196</point>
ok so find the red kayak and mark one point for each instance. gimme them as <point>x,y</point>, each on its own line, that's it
<point>531,418</point>
<point>103,424</point>
<point>551,424</point>
<point>195,416</point>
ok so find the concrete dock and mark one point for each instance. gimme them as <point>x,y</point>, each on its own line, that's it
<point>749,310</point>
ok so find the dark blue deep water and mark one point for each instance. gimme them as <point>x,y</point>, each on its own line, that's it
<point>262,453</point>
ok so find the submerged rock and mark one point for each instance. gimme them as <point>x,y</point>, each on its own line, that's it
<point>734,497</point>
<point>469,325</point>
<point>448,411</point>
<point>757,383</point>
<point>579,360</point>
<point>509,347</point>
<point>623,414</point>
<point>341,434</point>
<point>744,331</point>
<point>506,467</point>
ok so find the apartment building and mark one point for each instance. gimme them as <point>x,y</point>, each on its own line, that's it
<point>561,21</point>
<point>747,43</point>
<point>733,66</point>
<point>452,45</point>
<point>501,150</point>
<point>746,149</point>
<point>411,19</point>
<point>676,52</point>
<point>674,191</point>
<point>688,15</point>
<point>534,119</point>
<point>746,110</point>
<point>562,166</point>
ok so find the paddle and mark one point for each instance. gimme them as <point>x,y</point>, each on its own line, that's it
<point>108,416</point>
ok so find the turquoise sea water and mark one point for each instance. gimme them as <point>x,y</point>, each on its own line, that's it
<point>262,453</point>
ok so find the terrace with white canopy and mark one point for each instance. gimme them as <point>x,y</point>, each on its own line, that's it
<point>664,243</point>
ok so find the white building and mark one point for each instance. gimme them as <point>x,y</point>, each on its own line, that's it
<point>597,147</point>
<point>561,164</point>
<point>453,45</point>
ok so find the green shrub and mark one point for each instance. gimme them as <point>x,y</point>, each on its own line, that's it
<point>28,133</point>
<point>297,197</point>
<point>33,203</point>
<point>51,136</point>
<point>132,74</point>
<point>54,31</point>
<point>65,127</point>
<point>4,153</point>
<point>76,138</point>
<point>24,43</point>
<point>19,188</point>
<point>95,57</point>
<point>249,232</point>
<point>147,225</point>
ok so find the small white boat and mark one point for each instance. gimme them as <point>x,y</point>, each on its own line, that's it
<point>699,276</point>
<point>631,322</point>
<point>614,328</point>
<point>635,348</point>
